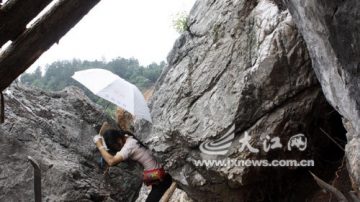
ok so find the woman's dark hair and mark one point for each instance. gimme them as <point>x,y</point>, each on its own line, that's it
<point>112,136</point>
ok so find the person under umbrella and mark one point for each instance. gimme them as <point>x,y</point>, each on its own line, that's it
<point>116,146</point>
<point>121,145</point>
<point>116,90</point>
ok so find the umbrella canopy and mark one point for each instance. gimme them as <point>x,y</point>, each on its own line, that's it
<point>111,87</point>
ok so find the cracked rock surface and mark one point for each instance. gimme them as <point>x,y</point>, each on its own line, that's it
<point>56,129</point>
<point>241,68</point>
<point>331,31</point>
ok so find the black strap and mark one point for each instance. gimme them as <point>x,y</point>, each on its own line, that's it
<point>2,114</point>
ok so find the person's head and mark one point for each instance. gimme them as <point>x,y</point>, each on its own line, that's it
<point>114,139</point>
<point>124,119</point>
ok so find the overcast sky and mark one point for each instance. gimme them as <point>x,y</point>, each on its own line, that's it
<point>121,28</point>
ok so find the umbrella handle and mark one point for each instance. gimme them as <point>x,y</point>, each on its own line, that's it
<point>102,114</point>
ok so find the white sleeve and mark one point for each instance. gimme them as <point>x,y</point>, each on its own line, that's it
<point>126,151</point>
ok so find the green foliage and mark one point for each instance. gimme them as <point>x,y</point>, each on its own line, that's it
<point>57,76</point>
<point>180,22</point>
<point>33,78</point>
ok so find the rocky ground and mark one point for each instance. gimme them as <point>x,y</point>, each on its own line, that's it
<point>177,196</point>
<point>56,129</point>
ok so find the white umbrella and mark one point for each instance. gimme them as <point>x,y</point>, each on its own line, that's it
<point>111,87</point>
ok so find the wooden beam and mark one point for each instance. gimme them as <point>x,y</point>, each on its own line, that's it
<point>16,14</point>
<point>40,37</point>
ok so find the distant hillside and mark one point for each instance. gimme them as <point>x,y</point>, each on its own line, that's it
<point>57,75</point>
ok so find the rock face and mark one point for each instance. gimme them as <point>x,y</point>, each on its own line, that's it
<point>56,129</point>
<point>177,196</point>
<point>241,70</point>
<point>331,31</point>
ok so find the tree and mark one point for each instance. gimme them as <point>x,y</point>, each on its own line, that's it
<point>58,74</point>
<point>32,77</point>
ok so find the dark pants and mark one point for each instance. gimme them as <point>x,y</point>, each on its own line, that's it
<point>159,189</point>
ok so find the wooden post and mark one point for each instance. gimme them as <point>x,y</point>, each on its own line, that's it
<point>40,37</point>
<point>37,179</point>
<point>2,108</point>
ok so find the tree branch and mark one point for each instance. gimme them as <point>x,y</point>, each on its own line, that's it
<point>340,197</point>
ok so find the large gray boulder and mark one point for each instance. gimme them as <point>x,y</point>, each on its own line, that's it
<point>57,129</point>
<point>241,67</point>
<point>331,30</point>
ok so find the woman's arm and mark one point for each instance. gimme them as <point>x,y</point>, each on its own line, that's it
<point>110,159</point>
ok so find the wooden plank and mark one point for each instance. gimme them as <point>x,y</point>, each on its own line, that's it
<point>16,14</point>
<point>40,37</point>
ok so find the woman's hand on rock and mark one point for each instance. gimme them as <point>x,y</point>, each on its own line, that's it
<point>97,138</point>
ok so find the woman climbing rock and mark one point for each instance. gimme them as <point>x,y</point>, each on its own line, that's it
<point>125,146</point>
